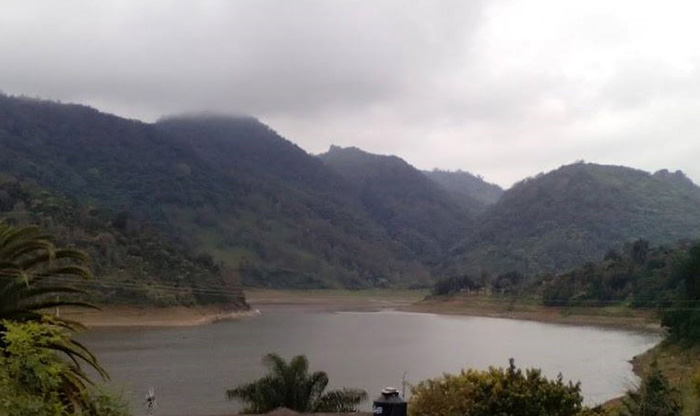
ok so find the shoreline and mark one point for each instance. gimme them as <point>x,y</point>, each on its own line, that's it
<point>123,316</point>
<point>625,319</point>
<point>334,300</point>
<point>614,318</point>
<point>466,305</point>
<point>361,301</point>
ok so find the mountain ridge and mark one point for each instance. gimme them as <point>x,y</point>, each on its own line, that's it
<point>581,210</point>
<point>279,229</point>
<point>235,189</point>
<point>468,189</point>
<point>413,209</point>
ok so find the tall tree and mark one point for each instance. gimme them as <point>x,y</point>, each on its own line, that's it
<point>290,385</point>
<point>683,318</point>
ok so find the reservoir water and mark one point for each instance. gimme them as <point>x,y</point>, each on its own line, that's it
<point>190,368</point>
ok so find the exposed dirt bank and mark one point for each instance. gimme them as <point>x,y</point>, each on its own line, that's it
<point>134,316</point>
<point>482,305</point>
<point>335,300</point>
<point>364,300</point>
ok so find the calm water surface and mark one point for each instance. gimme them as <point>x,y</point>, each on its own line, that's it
<point>190,368</point>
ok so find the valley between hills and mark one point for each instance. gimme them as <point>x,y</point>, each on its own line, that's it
<point>193,219</point>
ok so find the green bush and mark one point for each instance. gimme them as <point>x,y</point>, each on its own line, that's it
<point>497,391</point>
<point>655,397</point>
<point>35,381</point>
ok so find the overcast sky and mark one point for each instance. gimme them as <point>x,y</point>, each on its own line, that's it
<point>501,88</point>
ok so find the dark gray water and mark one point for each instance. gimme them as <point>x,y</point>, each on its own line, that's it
<point>190,368</point>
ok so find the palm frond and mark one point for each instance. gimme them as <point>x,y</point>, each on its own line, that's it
<point>55,255</point>
<point>36,276</point>
<point>291,386</point>
<point>340,401</point>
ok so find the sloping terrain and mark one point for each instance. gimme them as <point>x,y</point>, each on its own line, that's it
<point>472,192</point>
<point>233,189</point>
<point>230,187</point>
<point>414,209</point>
<point>576,214</point>
<point>307,214</point>
<point>133,263</point>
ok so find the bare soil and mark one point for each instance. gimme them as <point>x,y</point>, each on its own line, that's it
<point>135,316</point>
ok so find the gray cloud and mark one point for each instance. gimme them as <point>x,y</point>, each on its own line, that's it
<point>505,89</point>
<point>255,56</point>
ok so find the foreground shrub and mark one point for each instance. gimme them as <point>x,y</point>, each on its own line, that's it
<point>655,397</point>
<point>36,381</point>
<point>497,391</point>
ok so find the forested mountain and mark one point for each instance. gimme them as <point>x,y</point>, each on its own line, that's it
<point>230,187</point>
<point>466,188</point>
<point>132,261</point>
<point>233,189</point>
<point>121,164</point>
<point>577,213</point>
<point>297,222</point>
<point>413,209</point>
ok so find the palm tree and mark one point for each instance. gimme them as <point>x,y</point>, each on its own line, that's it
<point>34,273</point>
<point>291,386</point>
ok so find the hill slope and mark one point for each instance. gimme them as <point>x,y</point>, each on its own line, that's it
<point>310,214</point>
<point>469,190</point>
<point>577,213</point>
<point>133,263</point>
<point>122,164</point>
<point>413,209</point>
<point>230,187</point>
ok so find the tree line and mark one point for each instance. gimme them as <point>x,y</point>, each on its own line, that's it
<point>662,278</point>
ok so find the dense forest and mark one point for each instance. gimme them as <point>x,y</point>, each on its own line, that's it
<point>405,202</point>
<point>133,261</point>
<point>469,190</point>
<point>664,278</point>
<point>575,214</point>
<point>229,187</point>
<point>232,199</point>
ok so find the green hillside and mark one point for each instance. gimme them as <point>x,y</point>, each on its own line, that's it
<point>471,191</point>
<point>575,214</point>
<point>233,189</point>
<point>414,209</point>
<point>307,228</point>
<point>133,263</point>
<point>230,187</point>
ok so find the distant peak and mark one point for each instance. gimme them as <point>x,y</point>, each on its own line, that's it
<point>207,116</point>
<point>438,171</point>
<point>335,150</point>
<point>677,176</point>
<point>351,149</point>
<point>665,173</point>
